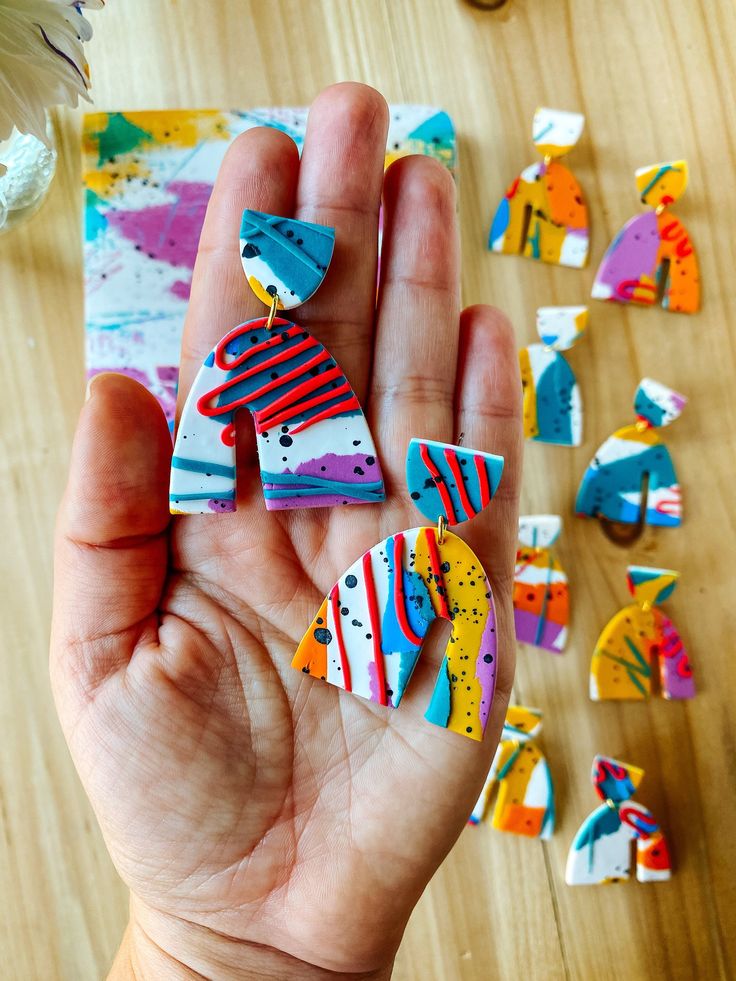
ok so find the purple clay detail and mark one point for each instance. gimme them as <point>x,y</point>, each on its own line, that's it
<point>631,255</point>
<point>485,670</point>
<point>221,507</point>
<point>527,624</point>
<point>342,468</point>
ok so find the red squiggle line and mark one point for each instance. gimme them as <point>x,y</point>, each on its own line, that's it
<point>485,490</point>
<point>328,413</point>
<point>439,484</point>
<point>452,461</point>
<point>335,607</point>
<point>280,338</point>
<point>370,592</point>
<point>434,559</point>
<point>217,410</point>
<point>291,400</point>
<point>626,288</point>
<point>399,595</point>
<point>267,420</point>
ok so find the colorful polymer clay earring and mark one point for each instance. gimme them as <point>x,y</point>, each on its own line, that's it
<point>553,411</point>
<point>314,445</point>
<point>541,595</point>
<point>542,214</point>
<point>368,633</point>
<point>631,479</point>
<point>600,851</point>
<point>621,667</point>
<point>525,804</point>
<point>652,256</point>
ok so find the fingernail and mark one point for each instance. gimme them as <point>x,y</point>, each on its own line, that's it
<point>88,390</point>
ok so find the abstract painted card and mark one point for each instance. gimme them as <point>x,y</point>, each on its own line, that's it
<point>147,178</point>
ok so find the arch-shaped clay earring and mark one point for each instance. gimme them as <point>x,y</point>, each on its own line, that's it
<point>368,633</point>
<point>611,487</point>
<point>542,214</point>
<point>621,667</point>
<point>652,255</point>
<point>525,804</point>
<point>314,445</point>
<point>553,409</point>
<point>541,593</point>
<point>600,851</point>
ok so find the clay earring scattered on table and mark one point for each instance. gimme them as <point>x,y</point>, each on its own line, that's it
<point>541,594</point>
<point>525,804</point>
<point>631,480</point>
<point>638,634</point>
<point>601,850</point>
<point>542,214</point>
<point>652,256</point>
<point>553,410</point>
<point>314,445</point>
<point>368,634</point>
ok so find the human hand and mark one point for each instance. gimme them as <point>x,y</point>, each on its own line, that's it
<point>269,824</point>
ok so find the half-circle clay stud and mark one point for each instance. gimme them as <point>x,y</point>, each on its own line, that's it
<point>368,633</point>
<point>525,804</point>
<point>636,636</point>
<point>631,479</point>
<point>543,215</point>
<point>652,256</point>
<point>601,850</point>
<point>541,594</point>
<point>553,408</point>
<point>314,445</point>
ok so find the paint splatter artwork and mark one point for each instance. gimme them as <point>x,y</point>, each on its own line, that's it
<point>147,180</point>
<point>636,639</point>
<point>601,850</point>
<point>525,804</point>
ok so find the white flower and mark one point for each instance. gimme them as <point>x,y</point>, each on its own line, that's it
<point>42,60</point>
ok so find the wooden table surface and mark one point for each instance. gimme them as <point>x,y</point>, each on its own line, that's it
<point>655,81</point>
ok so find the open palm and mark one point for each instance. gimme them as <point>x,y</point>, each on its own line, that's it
<point>237,796</point>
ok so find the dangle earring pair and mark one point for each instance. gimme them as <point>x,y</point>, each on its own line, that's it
<point>315,450</point>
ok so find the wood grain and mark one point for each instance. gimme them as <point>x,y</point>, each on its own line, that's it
<point>655,81</point>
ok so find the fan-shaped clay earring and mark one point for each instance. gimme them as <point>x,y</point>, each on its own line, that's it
<point>553,411</point>
<point>652,255</point>
<point>600,851</point>
<point>541,595</point>
<point>368,634</point>
<point>314,445</point>
<point>640,632</point>
<point>612,486</point>
<point>525,804</point>
<point>543,215</point>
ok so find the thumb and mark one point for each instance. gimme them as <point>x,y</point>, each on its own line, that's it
<point>111,537</point>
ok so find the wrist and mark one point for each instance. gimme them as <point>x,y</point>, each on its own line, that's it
<point>160,945</point>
